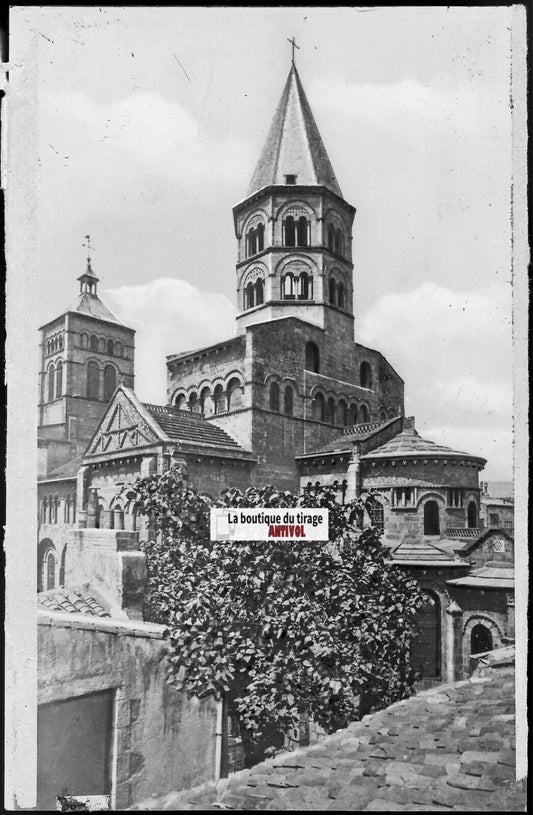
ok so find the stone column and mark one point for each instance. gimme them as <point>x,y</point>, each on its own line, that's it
<point>82,479</point>
<point>510,615</point>
<point>353,476</point>
<point>92,507</point>
<point>454,642</point>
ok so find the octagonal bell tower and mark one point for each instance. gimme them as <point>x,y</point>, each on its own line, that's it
<point>294,228</point>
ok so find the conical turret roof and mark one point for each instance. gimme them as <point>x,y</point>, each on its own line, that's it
<point>294,145</point>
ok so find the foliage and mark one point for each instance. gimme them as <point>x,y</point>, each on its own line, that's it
<point>280,627</point>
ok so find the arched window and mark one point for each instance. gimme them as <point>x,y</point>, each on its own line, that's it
<point>44,507</point>
<point>193,397</point>
<point>302,231</point>
<point>59,379</point>
<point>365,375</point>
<point>431,518</point>
<point>480,639</point>
<point>251,242</point>
<point>110,382</point>
<point>93,344</point>
<point>330,413</point>
<point>101,345</point>
<point>50,570</point>
<point>332,291</point>
<point>305,287</point>
<point>288,405</point>
<point>249,300</point>
<point>234,393</point>
<point>93,380</point>
<point>471,513</point>
<point>331,237</point>
<point>339,242</point>
<point>341,296</point>
<point>288,287</point>
<point>260,237</point>
<point>118,349</point>
<point>218,399</point>
<point>382,416</point>
<point>258,292</point>
<point>204,400</point>
<point>274,397</point>
<point>363,415</point>
<point>352,414</point>
<point>180,401</point>
<point>60,342</point>
<point>56,509</point>
<point>342,413</point>
<point>426,649</point>
<point>84,340</point>
<point>110,348</point>
<point>289,231</point>
<point>99,516</point>
<point>51,383</point>
<point>66,509</point>
<point>50,510</point>
<point>319,408</point>
<point>312,357</point>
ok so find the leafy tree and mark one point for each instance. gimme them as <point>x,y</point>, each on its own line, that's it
<point>279,627</point>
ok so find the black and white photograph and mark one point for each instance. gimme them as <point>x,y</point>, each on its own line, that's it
<point>267,408</point>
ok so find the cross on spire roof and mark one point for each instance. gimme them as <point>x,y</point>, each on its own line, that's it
<point>293,43</point>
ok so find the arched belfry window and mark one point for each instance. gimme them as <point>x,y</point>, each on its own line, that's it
<point>288,287</point>
<point>332,291</point>
<point>180,401</point>
<point>312,357</point>
<point>251,242</point>
<point>302,231</point>
<point>365,375</point>
<point>218,399</point>
<point>50,570</point>
<point>289,231</point>
<point>204,400</point>
<point>431,518</point>
<point>331,411</point>
<point>331,237</point>
<point>363,415</point>
<point>305,287</point>
<point>193,402</point>
<point>274,397</point>
<point>471,512</point>
<point>341,296</point>
<point>110,382</point>
<point>93,343</point>
<point>259,294</point>
<point>339,242</point>
<point>110,348</point>
<point>342,413</point>
<point>93,380</point>
<point>249,299</point>
<point>260,237</point>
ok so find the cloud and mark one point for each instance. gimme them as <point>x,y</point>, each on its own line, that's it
<point>454,351</point>
<point>169,316</point>
<point>145,132</point>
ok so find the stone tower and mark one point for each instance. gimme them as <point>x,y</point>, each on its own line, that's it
<point>294,228</point>
<point>85,352</point>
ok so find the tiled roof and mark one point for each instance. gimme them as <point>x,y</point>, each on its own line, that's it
<point>92,306</point>
<point>191,428</point>
<point>450,748</point>
<point>294,145</point>
<point>423,553</point>
<point>409,444</point>
<point>349,435</point>
<point>72,601</point>
<point>494,574</point>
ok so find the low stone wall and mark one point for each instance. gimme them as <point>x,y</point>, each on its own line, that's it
<point>162,740</point>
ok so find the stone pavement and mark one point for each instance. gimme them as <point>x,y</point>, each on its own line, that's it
<point>448,748</point>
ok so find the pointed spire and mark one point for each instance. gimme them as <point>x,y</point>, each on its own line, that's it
<point>294,148</point>
<point>88,280</point>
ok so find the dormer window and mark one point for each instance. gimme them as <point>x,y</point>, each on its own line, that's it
<point>290,179</point>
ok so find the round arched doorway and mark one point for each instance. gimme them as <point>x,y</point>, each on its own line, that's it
<point>480,639</point>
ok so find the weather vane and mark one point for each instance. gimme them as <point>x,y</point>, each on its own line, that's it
<point>293,43</point>
<point>88,245</point>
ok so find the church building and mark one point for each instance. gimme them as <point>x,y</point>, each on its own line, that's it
<point>291,400</point>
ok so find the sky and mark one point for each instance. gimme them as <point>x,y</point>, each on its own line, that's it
<point>149,124</point>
